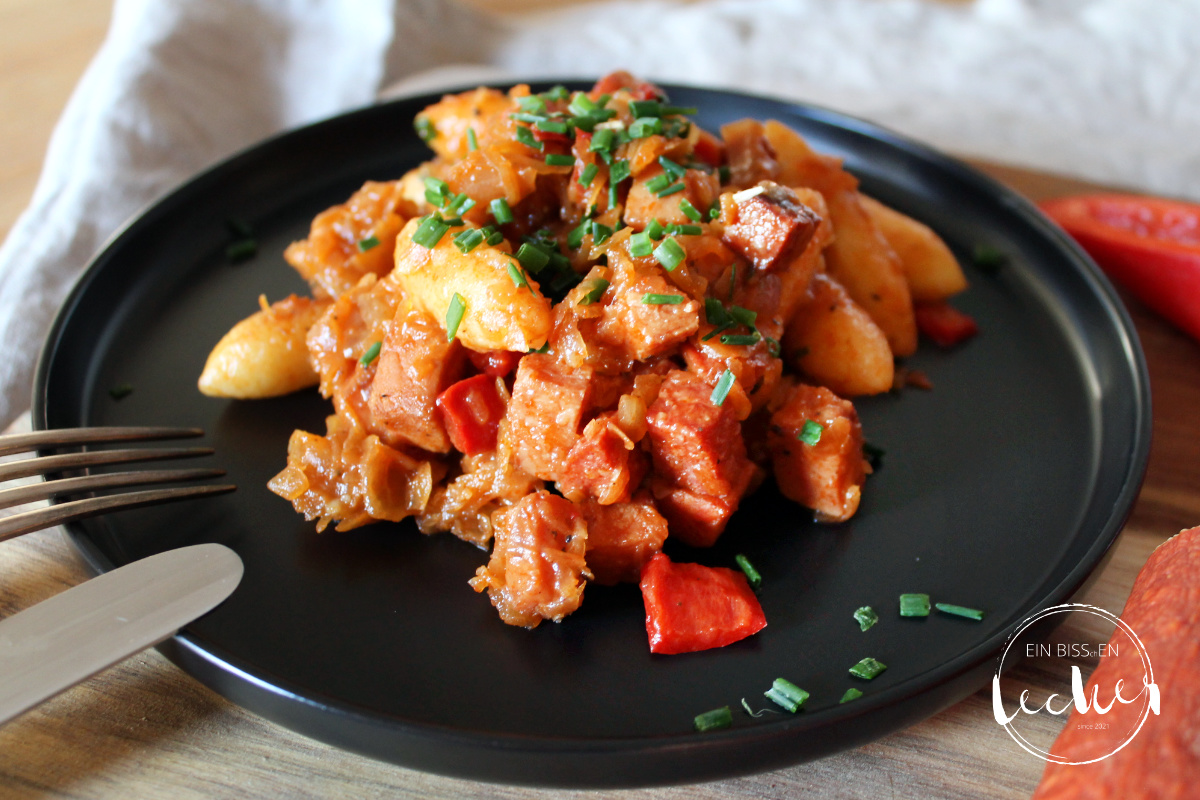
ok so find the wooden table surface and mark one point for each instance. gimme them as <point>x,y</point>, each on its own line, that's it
<point>144,729</point>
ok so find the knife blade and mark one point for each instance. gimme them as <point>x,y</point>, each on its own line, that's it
<point>75,634</point>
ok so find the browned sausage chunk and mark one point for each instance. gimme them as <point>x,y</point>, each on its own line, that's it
<point>544,414</point>
<point>622,537</point>
<point>771,224</point>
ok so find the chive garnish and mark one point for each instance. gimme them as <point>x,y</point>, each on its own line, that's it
<point>670,254</point>
<point>459,204</point>
<point>532,104</point>
<point>371,354</point>
<point>600,233</point>
<point>740,340</point>
<point>670,190</point>
<point>676,171</point>
<point>430,231</point>
<point>602,140</point>
<point>472,142</point>
<point>811,432</point>
<point>368,243</point>
<point>752,576</point>
<point>959,611</point>
<point>532,258</point>
<point>715,211</point>
<point>556,93</point>
<point>640,245</point>
<point>690,211</point>
<point>668,111</point>
<point>658,183</point>
<point>714,312</point>
<point>866,617</point>
<point>743,316</point>
<point>525,137</point>
<point>642,127</point>
<point>619,171</point>
<point>684,230</point>
<point>241,250</point>
<point>120,391</point>
<point>468,239</point>
<point>662,299</point>
<point>714,720</point>
<point>454,315</point>
<point>425,128</point>
<point>552,125</point>
<point>914,605</point>
<point>645,108</point>
<point>491,235</point>
<point>786,694</point>
<point>560,160</point>
<point>437,191</point>
<point>655,230</point>
<point>851,694</point>
<point>501,211</point>
<point>588,175</point>
<point>773,347</point>
<point>582,105</point>
<point>518,277</point>
<point>867,669</point>
<point>721,390</point>
<point>593,295</point>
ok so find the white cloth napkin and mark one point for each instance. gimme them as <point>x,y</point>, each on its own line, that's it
<point>1102,89</point>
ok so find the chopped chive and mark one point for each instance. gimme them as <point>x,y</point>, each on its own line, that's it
<point>556,93</point>
<point>545,348</point>
<point>732,280</point>
<point>491,235</point>
<point>518,277</point>
<point>526,117</point>
<point>810,434</point>
<point>454,315</point>
<point>425,128</point>
<point>679,110</point>
<point>959,611</point>
<point>714,720</point>
<point>501,211</point>
<point>655,230</point>
<point>588,175</point>
<point>690,211</point>
<point>684,230</point>
<point>619,171</point>
<point>593,295</point>
<point>670,254</point>
<point>459,204</point>
<point>602,140</point>
<point>914,605</point>
<point>670,190</point>
<point>717,331</point>
<point>371,354</point>
<point>743,316</point>
<point>120,391</point>
<point>786,695</point>
<point>532,104</point>
<point>645,108</point>
<point>676,171</point>
<point>560,160</point>
<point>600,233</point>
<point>532,258</point>
<point>575,237</point>
<point>752,576</point>
<point>721,390</point>
<point>241,250</point>
<point>642,127</point>
<point>773,347</point>
<point>662,299</point>
<point>851,694</point>
<point>740,340</point>
<point>552,125</point>
<point>658,182</point>
<point>582,105</point>
<point>472,142</point>
<point>714,312</point>
<point>368,243</point>
<point>867,669</point>
<point>988,258</point>
<point>640,245</point>
<point>430,232</point>
<point>714,211</point>
<point>525,137</point>
<point>468,239</point>
<point>866,617</point>
<point>438,187</point>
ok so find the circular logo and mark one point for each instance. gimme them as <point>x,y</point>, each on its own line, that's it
<point>1113,732</point>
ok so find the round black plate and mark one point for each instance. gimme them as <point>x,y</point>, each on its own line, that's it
<point>1000,489</point>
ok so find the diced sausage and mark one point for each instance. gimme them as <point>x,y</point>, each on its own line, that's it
<point>622,537</point>
<point>545,413</point>
<point>700,189</point>
<point>771,224</point>
<point>640,329</point>
<point>826,476</point>
<point>603,464</point>
<point>537,569</point>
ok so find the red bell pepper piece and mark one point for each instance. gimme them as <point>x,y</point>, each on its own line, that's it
<point>1149,245</point>
<point>496,363</point>
<point>471,411</point>
<point>549,136</point>
<point>691,607</point>
<point>944,324</point>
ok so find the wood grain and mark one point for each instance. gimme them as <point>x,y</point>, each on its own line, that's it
<point>145,730</point>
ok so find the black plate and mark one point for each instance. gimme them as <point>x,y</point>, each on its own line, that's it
<point>1001,489</point>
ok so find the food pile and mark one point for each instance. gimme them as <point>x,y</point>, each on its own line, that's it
<point>585,325</point>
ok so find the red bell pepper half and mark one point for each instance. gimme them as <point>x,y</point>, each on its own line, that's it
<point>1149,245</point>
<point>691,607</point>
<point>472,410</point>
<point>944,324</point>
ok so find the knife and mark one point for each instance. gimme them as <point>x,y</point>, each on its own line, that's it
<point>70,637</point>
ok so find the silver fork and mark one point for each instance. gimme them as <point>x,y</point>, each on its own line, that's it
<point>57,514</point>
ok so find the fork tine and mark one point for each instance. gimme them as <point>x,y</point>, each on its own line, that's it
<point>30,521</point>
<point>92,458</point>
<point>66,437</point>
<point>18,495</point>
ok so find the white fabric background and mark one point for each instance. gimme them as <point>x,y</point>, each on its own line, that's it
<point>1102,89</point>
